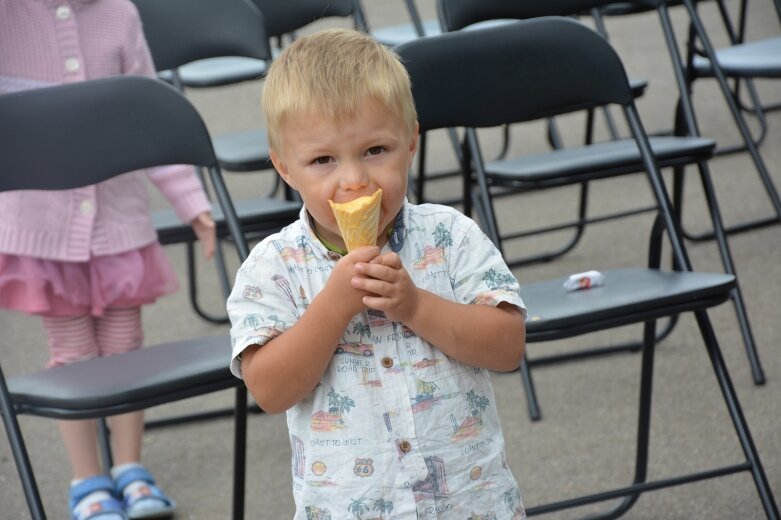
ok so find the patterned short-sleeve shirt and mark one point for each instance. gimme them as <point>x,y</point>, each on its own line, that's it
<point>395,428</point>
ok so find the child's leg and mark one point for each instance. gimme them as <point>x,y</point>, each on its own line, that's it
<point>119,331</point>
<point>72,339</point>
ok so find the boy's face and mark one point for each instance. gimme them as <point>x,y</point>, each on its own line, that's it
<point>344,159</point>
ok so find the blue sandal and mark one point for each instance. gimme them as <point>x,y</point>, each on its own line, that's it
<point>104,508</point>
<point>148,501</point>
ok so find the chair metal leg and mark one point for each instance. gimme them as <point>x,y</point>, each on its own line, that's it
<point>737,296</point>
<point>240,453</point>
<point>686,124</point>
<point>420,179</point>
<point>104,445</point>
<point>643,424</point>
<point>757,372</point>
<point>757,111</point>
<point>535,414</point>
<point>19,450</point>
<point>736,414</point>
<point>219,260</point>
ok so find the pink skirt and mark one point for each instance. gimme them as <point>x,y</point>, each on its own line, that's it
<point>54,288</point>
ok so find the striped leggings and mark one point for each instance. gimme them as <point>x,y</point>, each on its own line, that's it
<point>79,338</point>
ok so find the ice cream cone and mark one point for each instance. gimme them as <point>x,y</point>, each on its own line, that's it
<point>358,220</point>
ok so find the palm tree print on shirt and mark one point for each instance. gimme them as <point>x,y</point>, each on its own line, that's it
<point>333,419</point>
<point>496,281</point>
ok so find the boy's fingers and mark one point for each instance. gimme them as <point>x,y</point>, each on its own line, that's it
<point>389,259</point>
<point>365,254</point>
<point>376,271</point>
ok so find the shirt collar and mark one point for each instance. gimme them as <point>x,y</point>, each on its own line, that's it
<point>395,241</point>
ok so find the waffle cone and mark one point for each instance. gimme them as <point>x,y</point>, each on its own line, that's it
<point>358,220</point>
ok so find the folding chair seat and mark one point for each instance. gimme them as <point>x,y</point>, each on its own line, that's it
<point>75,135</point>
<point>593,161</point>
<point>216,29</point>
<point>541,68</point>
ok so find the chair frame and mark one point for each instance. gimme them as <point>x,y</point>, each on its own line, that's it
<point>513,99</point>
<point>49,137</point>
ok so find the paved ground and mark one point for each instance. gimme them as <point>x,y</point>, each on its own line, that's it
<point>585,441</point>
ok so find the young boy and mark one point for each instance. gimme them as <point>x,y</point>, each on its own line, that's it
<point>379,355</point>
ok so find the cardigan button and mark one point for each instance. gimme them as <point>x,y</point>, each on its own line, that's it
<point>405,446</point>
<point>72,64</point>
<point>63,12</point>
<point>86,208</point>
<point>387,362</point>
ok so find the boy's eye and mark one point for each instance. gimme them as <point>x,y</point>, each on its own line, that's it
<point>322,160</point>
<point>375,150</point>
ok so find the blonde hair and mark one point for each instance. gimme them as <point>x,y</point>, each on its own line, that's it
<point>333,72</point>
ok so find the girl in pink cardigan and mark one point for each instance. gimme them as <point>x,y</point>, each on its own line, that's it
<point>87,259</point>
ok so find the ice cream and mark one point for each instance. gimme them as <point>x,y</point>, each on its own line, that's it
<point>358,220</point>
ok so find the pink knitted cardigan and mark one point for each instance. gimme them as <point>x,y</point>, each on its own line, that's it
<point>49,42</point>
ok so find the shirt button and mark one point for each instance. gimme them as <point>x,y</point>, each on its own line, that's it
<point>72,64</point>
<point>387,362</point>
<point>86,207</point>
<point>63,12</point>
<point>405,446</point>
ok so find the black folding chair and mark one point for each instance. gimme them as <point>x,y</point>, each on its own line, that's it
<point>590,162</point>
<point>420,27</point>
<point>216,29</point>
<point>247,151</point>
<point>76,135</point>
<point>541,68</point>
<point>743,60</point>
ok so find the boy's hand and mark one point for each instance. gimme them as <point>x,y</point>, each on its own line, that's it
<point>206,231</point>
<point>346,299</point>
<point>390,287</point>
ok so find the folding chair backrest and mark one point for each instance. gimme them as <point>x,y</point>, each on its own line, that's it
<point>284,17</point>
<point>206,29</point>
<point>158,127</point>
<point>574,69</point>
<point>457,14</point>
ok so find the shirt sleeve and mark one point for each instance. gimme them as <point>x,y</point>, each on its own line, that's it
<point>265,301</point>
<point>182,188</point>
<point>478,271</point>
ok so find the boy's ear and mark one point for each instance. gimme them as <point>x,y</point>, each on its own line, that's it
<point>281,167</point>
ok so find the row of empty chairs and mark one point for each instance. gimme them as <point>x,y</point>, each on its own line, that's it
<point>567,52</point>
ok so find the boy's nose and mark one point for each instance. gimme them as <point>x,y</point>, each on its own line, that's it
<point>353,177</point>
